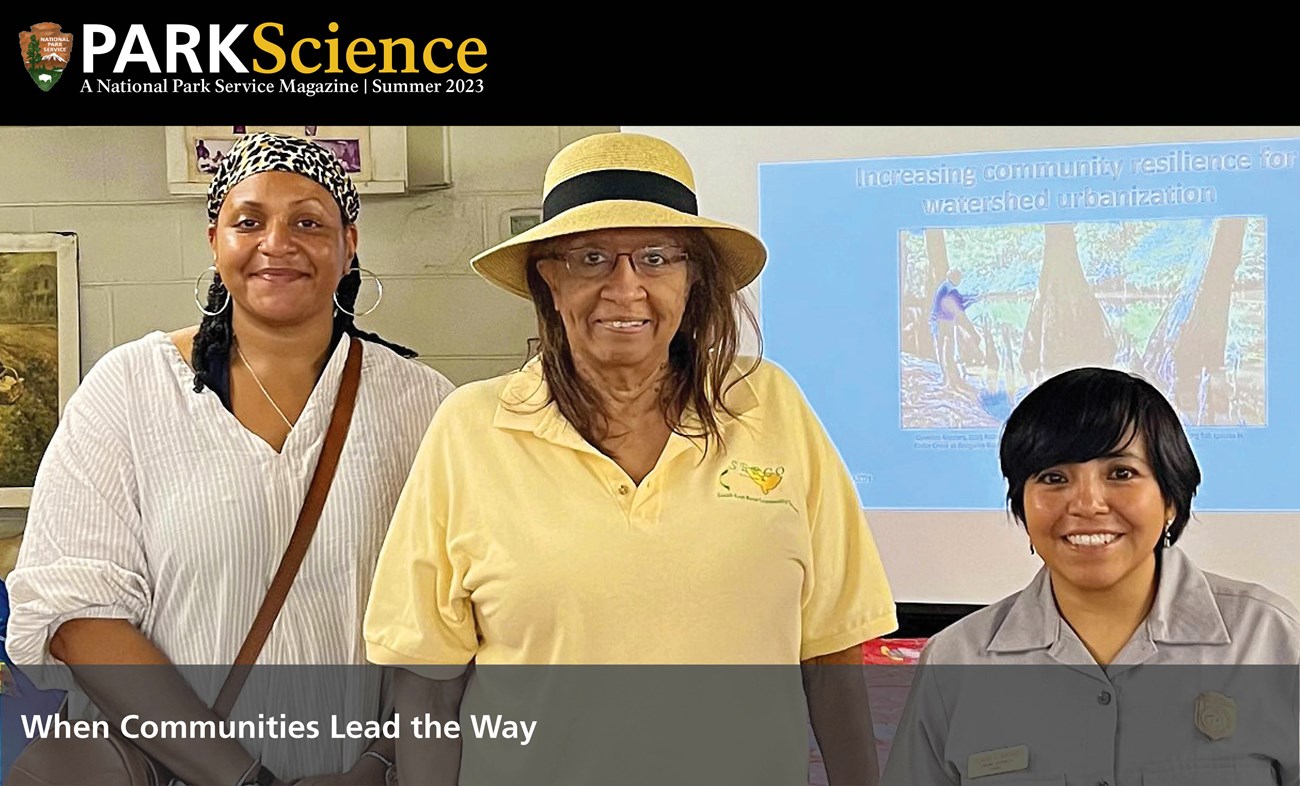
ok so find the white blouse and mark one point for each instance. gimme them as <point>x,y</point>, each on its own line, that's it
<point>154,504</point>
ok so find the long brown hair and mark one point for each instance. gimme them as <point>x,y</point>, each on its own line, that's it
<point>700,356</point>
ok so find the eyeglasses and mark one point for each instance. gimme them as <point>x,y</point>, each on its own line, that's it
<point>651,261</point>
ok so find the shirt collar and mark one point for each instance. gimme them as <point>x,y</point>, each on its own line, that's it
<point>523,405</point>
<point>1184,612</point>
<point>1033,622</point>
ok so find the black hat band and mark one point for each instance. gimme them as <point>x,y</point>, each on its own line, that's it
<point>606,184</point>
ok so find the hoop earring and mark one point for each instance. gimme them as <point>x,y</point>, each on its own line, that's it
<point>379,285</point>
<point>200,303</point>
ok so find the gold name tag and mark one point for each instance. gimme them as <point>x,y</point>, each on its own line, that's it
<point>998,761</point>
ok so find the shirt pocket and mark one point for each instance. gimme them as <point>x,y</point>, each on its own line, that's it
<point>1235,771</point>
<point>1015,779</point>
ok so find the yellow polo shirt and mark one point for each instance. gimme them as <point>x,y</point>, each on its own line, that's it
<point>516,542</point>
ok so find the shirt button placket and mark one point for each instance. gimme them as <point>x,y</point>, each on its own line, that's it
<point>624,493</point>
<point>1106,699</point>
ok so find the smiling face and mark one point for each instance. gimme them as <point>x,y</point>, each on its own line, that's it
<point>627,318</point>
<point>281,246</point>
<point>1096,523</point>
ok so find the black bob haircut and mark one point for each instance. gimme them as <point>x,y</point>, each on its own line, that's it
<point>1091,413</point>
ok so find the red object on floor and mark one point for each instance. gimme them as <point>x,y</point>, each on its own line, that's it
<point>892,652</point>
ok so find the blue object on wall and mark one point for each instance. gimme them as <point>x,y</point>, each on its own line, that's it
<point>19,697</point>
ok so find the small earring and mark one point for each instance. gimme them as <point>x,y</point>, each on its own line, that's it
<point>1031,549</point>
<point>1166,537</point>
<point>379,286</point>
<point>200,302</point>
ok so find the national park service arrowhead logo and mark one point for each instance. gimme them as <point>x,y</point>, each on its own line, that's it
<point>46,49</point>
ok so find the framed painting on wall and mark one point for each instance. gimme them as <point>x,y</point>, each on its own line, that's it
<point>374,156</point>
<point>40,351</point>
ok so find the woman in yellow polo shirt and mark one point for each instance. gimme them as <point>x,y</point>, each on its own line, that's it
<point>637,494</point>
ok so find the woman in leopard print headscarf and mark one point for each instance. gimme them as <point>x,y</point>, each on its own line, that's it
<point>253,155</point>
<point>167,496</point>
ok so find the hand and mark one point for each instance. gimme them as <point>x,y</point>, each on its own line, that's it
<point>342,779</point>
<point>368,771</point>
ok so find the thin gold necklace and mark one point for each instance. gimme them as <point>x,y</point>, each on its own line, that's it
<point>262,387</point>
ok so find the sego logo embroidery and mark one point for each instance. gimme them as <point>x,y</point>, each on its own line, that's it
<point>765,478</point>
<point>45,49</point>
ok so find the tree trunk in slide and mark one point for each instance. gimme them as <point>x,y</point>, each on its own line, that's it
<point>1067,327</point>
<point>1199,343</point>
<point>936,250</point>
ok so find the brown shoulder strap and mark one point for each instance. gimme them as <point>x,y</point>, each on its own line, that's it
<point>308,518</point>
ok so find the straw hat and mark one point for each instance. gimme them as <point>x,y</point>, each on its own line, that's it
<point>618,181</point>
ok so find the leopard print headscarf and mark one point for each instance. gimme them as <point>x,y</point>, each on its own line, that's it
<point>266,152</point>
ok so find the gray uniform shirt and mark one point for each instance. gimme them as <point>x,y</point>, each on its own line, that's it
<point>1207,691</point>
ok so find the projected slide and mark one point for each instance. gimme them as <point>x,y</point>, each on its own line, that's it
<point>918,300</point>
<point>1180,302</point>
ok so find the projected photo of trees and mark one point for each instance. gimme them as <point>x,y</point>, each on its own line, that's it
<point>989,312</point>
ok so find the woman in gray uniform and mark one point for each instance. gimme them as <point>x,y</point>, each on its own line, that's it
<point>1121,662</point>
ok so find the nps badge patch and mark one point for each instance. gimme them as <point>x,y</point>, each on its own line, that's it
<point>1216,715</point>
<point>45,50</point>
